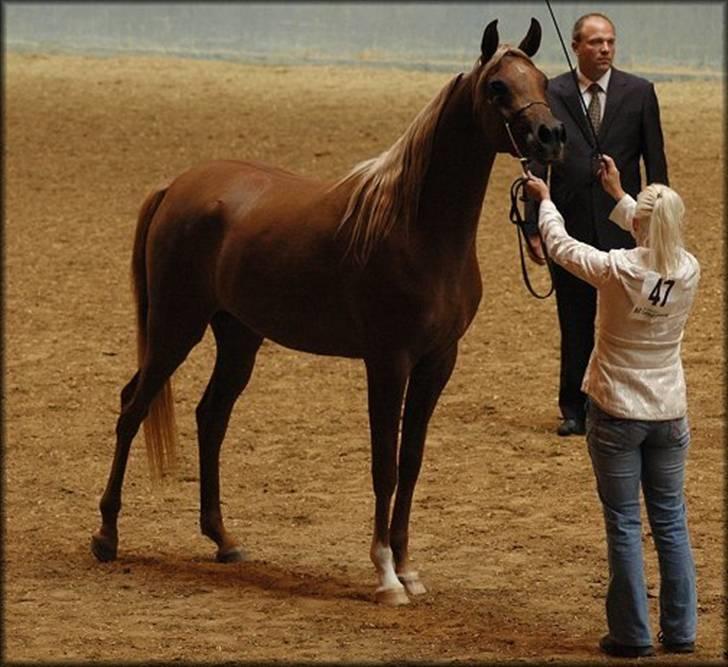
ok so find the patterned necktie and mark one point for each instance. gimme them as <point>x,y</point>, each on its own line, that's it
<point>595,106</point>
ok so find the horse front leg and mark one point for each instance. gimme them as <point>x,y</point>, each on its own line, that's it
<point>386,379</point>
<point>426,383</point>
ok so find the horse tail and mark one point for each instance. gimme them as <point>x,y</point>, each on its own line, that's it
<point>160,433</point>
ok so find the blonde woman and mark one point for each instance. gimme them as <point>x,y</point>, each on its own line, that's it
<point>636,426</point>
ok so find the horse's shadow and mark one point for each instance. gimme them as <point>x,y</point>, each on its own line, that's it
<point>461,613</point>
<point>198,572</point>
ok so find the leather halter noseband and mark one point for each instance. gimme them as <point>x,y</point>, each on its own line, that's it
<point>527,106</point>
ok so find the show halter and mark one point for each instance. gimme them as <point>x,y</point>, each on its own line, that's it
<point>518,188</point>
<point>518,193</point>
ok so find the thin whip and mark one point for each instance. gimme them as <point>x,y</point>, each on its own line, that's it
<point>576,80</point>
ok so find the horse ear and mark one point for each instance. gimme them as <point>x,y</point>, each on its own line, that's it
<point>489,44</point>
<point>532,40</point>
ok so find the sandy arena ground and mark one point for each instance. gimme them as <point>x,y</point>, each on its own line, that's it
<point>506,527</point>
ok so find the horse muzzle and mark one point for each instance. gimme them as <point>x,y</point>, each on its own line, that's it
<point>546,141</point>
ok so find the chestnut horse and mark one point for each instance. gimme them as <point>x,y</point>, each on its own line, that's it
<point>379,265</point>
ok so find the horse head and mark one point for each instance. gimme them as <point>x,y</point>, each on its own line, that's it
<point>510,95</point>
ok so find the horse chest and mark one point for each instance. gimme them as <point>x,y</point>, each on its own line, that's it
<point>426,311</point>
<point>452,308</point>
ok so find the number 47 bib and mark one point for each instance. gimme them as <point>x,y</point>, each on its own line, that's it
<point>659,298</point>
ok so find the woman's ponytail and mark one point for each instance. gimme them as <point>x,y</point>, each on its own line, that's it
<point>659,213</point>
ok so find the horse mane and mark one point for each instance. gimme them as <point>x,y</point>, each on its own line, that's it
<point>388,187</point>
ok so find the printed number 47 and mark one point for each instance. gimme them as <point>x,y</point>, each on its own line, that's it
<point>656,296</point>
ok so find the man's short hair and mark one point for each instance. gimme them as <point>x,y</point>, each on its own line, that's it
<point>576,32</point>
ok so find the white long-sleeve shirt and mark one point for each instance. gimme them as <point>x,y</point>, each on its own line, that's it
<point>635,370</point>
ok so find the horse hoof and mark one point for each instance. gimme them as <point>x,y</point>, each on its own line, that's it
<point>102,548</point>
<point>411,582</point>
<point>392,597</point>
<point>232,555</point>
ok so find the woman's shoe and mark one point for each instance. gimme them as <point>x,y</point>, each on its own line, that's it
<point>614,648</point>
<point>676,647</point>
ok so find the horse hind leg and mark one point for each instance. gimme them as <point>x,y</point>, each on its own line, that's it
<point>104,542</point>
<point>165,351</point>
<point>237,347</point>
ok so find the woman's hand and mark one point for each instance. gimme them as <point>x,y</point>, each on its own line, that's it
<point>609,176</point>
<point>537,188</point>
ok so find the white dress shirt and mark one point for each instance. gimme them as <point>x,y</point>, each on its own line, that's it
<point>603,82</point>
<point>635,370</point>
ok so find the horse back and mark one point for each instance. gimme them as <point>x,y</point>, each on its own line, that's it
<point>262,244</point>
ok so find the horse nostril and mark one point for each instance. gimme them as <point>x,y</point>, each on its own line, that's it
<point>544,135</point>
<point>553,135</point>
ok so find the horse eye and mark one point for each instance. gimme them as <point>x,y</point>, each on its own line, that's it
<point>497,88</point>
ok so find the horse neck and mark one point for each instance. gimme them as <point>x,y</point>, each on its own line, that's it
<point>457,177</point>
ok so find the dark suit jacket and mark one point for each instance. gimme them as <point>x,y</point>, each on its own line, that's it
<point>630,129</point>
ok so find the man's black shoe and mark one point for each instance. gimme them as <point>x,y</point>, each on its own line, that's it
<point>676,647</point>
<point>613,648</point>
<point>571,427</point>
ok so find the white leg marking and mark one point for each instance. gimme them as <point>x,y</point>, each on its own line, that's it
<point>412,583</point>
<point>390,590</point>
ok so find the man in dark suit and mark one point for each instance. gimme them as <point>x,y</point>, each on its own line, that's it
<point>624,112</point>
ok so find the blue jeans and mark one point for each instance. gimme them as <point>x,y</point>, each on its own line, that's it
<point>625,454</point>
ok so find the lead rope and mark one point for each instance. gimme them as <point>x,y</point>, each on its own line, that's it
<point>518,193</point>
